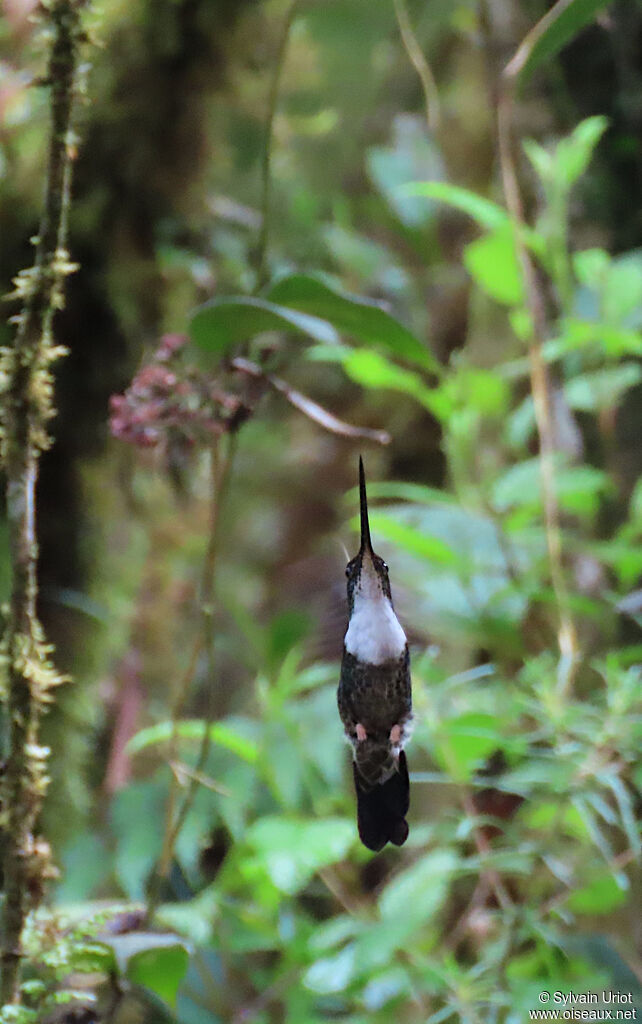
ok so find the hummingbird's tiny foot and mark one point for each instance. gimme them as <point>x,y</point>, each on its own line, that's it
<point>395,735</point>
<point>361,732</point>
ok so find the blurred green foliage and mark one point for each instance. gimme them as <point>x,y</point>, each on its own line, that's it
<point>522,869</point>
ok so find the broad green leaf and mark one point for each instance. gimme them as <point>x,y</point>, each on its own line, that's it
<point>462,742</point>
<point>192,729</point>
<point>601,389</point>
<point>332,973</point>
<point>360,318</point>
<point>293,849</point>
<point>540,158</point>
<point>544,816</point>
<point>484,212</point>
<point>160,969</point>
<point>487,214</point>
<point>285,631</point>
<point>406,906</point>
<point>591,267</point>
<point>578,487</point>
<point>402,491</point>
<point>413,155</point>
<point>614,341</point>
<point>635,504</point>
<point>423,545</point>
<point>482,390</point>
<point>223,323</point>
<point>372,370</point>
<point>137,816</point>
<point>627,811</point>
<point>332,933</point>
<point>385,986</point>
<point>492,261</point>
<point>573,154</point>
<point>369,260</point>
<point>560,31</point>
<point>622,294</point>
<point>419,891</point>
<point>601,896</point>
<point>83,867</point>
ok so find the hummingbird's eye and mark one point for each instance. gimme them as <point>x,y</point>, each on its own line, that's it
<point>384,565</point>
<point>347,570</point>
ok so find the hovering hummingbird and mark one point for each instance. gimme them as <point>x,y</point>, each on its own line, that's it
<point>374,696</point>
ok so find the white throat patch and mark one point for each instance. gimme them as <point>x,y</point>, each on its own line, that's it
<point>374,633</point>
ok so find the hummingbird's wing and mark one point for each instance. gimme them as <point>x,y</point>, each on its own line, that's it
<point>382,809</point>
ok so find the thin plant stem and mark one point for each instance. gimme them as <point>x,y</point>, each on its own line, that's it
<point>268,146</point>
<point>540,384</point>
<point>220,470</point>
<point>420,64</point>
<point>26,410</point>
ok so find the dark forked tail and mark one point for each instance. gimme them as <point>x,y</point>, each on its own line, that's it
<point>382,808</point>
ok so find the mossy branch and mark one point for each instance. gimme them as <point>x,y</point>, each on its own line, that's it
<point>26,409</point>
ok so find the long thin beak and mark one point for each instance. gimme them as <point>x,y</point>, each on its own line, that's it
<point>366,543</point>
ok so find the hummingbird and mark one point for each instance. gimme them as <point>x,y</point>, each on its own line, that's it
<point>374,695</point>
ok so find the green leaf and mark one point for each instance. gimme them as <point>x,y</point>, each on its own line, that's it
<point>540,158</point>
<point>83,863</point>
<point>559,32</point>
<point>601,389</point>
<point>222,323</point>
<point>413,155</point>
<point>293,849</point>
<point>423,545</point>
<point>462,742</point>
<point>359,318</point>
<point>286,630</point>
<point>622,294</point>
<point>591,267</point>
<point>332,973</point>
<point>573,154</point>
<point>402,491</point>
<point>160,969</point>
<point>492,261</point>
<point>406,906</point>
<point>192,729</point>
<point>484,212</point>
<point>520,486</point>
<point>372,370</point>
<point>419,891</point>
<point>601,896</point>
<point>137,815</point>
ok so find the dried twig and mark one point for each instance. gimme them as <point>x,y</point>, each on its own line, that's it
<point>307,406</point>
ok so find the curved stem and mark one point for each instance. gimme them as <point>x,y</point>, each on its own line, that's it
<point>266,163</point>
<point>540,383</point>
<point>421,65</point>
<point>220,472</point>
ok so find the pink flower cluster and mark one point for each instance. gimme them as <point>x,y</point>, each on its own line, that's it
<point>169,401</point>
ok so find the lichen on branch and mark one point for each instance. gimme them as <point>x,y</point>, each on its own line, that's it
<point>27,391</point>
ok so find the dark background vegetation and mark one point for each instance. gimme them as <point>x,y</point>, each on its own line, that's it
<point>522,870</point>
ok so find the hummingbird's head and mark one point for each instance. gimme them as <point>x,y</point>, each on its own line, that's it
<point>367,574</point>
